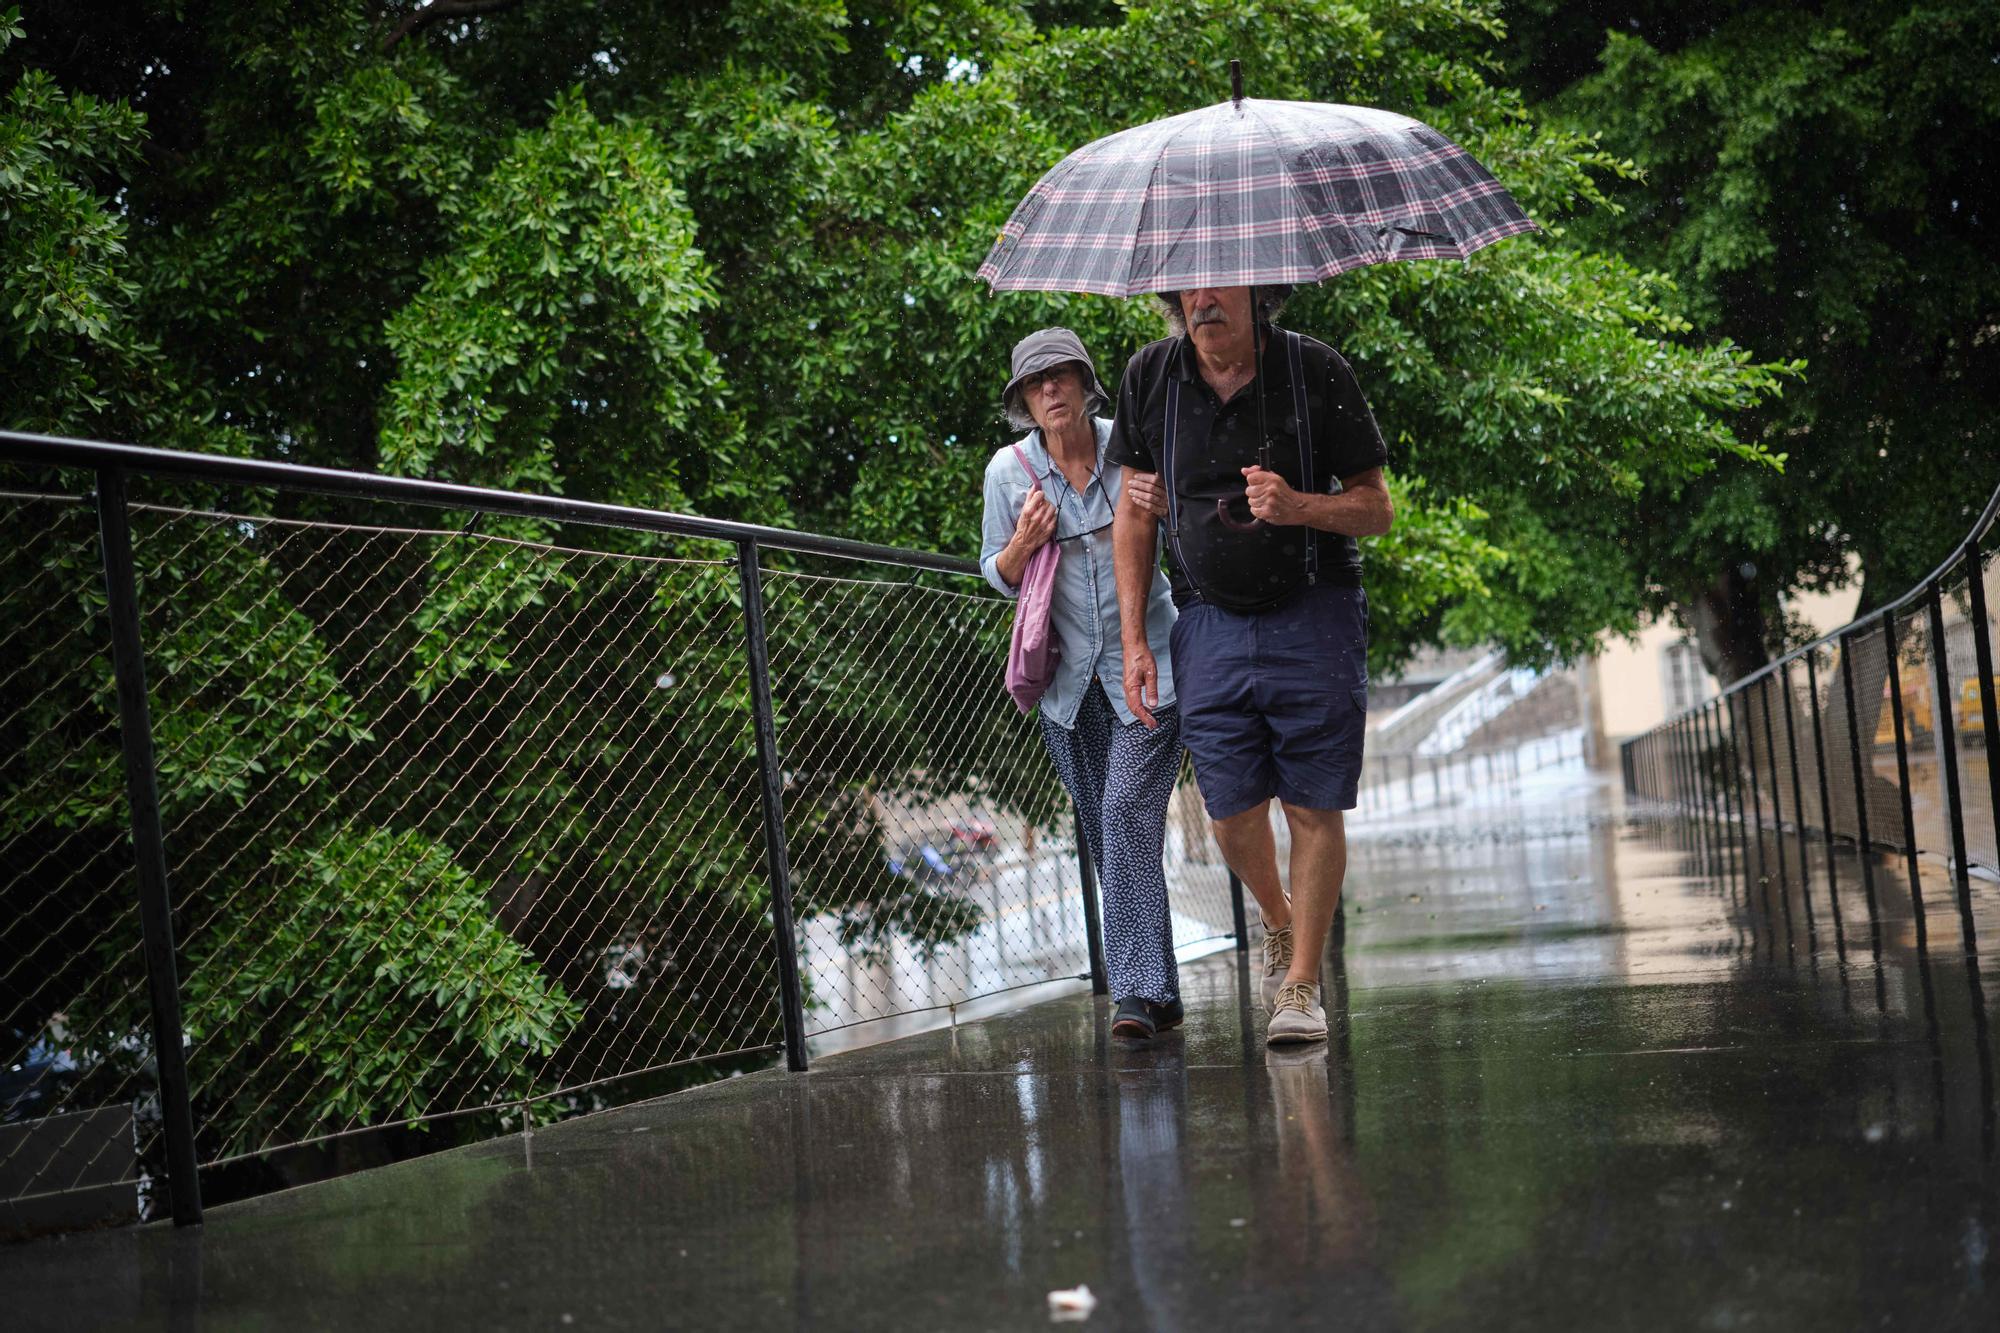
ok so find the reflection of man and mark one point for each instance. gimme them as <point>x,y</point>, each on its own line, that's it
<point>1270,651</point>
<point>1314,1219</point>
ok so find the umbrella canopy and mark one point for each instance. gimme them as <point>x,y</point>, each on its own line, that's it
<point>1246,193</point>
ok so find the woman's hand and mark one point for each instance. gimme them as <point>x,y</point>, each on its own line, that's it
<point>1032,531</point>
<point>1145,489</point>
<point>1037,522</point>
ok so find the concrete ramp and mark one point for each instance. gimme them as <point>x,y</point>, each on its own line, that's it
<point>1574,1085</point>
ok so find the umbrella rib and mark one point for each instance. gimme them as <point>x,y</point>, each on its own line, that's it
<point>1145,196</point>
<point>1308,220</point>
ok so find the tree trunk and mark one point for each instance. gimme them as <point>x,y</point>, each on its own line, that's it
<point>1728,622</point>
<point>1729,629</point>
<point>1871,677</point>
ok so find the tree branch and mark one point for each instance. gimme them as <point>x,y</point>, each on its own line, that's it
<point>441,9</point>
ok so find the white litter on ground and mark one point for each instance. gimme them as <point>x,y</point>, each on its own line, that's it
<point>1071,1307</point>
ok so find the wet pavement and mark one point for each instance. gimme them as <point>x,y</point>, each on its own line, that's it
<point>1577,1081</point>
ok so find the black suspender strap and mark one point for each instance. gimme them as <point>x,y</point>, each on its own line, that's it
<point>1167,475</point>
<point>1302,417</point>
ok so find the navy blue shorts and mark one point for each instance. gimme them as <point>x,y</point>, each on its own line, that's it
<point>1275,704</point>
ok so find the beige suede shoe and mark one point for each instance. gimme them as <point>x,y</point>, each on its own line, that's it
<point>1298,1015</point>
<point>1277,962</point>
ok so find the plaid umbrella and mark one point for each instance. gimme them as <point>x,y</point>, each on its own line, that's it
<point>1247,193</point>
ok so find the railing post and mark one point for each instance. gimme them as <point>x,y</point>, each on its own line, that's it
<point>1683,787</point>
<point>1798,793</point>
<point>1691,758</point>
<point>1860,786</point>
<point>1734,860</point>
<point>1670,766</point>
<point>1237,913</point>
<point>1825,807</point>
<point>1982,656</point>
<point>149,851</point>
<point>1753,825</point>
<point>1819,767</point>
<point>1903,778</point>
<point>771,773</point>
<point>1747,754</point>
<point>1093,922</point>
<point>1946,725</point>
<point>1777,806</point>
<point>1704,753</point>
<point>1728,800</point>
<point>1777,787</point>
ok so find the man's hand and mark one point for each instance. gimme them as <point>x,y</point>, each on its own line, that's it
<point>1273,499</point>
<point>1142,683</point>
<point>1146,491</point>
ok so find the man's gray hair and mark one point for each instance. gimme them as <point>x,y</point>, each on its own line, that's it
<point>1271,298</point>
<point>1094,403</point>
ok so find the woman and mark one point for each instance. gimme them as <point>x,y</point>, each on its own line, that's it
<point>1053,485</point>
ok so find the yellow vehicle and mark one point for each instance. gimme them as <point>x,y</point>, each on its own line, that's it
<point>1917,720</point>
<point>1968,719</point>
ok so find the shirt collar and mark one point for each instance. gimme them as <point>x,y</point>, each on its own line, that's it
<point>1182,363</point>
<point>1040,460</point>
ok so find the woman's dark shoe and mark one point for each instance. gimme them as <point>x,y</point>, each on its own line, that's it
<point>1139,1020</point>
<point>1134,1020</point>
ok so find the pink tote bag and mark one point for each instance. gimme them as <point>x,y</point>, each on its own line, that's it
<point>1032,657</point>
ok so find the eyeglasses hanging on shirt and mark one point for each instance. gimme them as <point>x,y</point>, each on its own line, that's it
<point>1062,505</point>
<point>1085,532</point>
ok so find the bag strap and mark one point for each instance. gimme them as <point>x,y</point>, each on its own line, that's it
<point>1034,482</point>
<point>1026,467</point>
<point>1302,414</point>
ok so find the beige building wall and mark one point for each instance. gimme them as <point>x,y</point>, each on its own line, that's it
<point>1632,678</point>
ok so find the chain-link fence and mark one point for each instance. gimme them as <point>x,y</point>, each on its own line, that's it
<point>451,823</point>
<point>1878,736</point>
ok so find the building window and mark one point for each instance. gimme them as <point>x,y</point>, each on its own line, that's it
<point>1684,678</point>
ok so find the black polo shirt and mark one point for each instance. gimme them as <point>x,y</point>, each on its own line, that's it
<point>1215,440</point>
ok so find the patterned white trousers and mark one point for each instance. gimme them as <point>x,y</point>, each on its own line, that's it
<point>1120,777</point>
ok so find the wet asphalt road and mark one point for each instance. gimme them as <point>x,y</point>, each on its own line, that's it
<point>1577,1081</point>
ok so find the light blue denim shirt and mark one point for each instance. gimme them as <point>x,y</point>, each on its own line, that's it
<point>1085,608</point>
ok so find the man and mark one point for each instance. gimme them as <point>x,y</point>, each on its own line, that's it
<point>1270,652</point>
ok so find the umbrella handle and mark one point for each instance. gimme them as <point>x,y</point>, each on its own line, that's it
<point>1230,520</point>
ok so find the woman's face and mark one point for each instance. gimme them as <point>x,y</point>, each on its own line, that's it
<point>1055,398</point>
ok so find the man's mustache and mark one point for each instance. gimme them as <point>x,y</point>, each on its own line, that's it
<point>1209,314</point>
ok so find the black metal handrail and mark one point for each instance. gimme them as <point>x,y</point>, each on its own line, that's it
<point>1721,761</point>
<point>227,469</point>
<point>112,463</point>
<point>1922,588</point>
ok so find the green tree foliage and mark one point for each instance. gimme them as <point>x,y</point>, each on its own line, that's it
<point>712,256</point>
<point>375,955</point>
<point>65,293</point>
<point>1818,182</point>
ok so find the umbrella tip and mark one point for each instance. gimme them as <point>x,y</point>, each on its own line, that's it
<point>1236,82</point>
